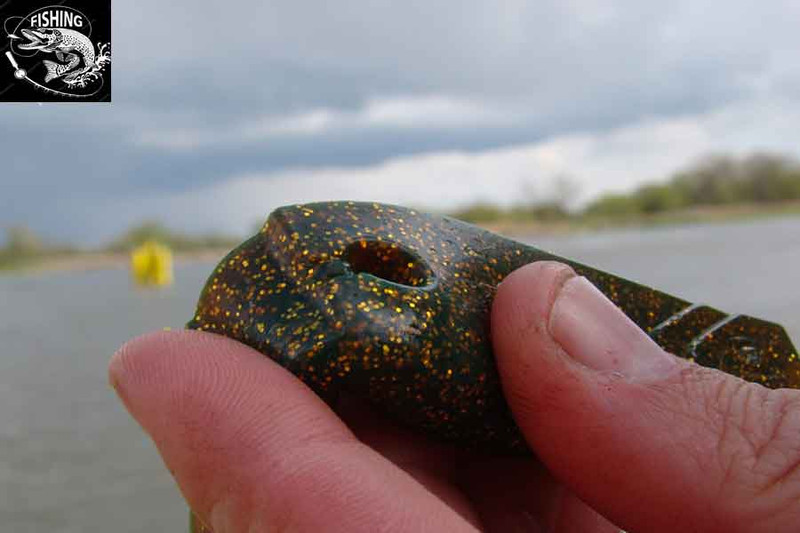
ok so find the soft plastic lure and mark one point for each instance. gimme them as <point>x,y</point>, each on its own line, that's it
<point>392,305</point>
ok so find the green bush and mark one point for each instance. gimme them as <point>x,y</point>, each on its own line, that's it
<point>614,205</point>
<point>155,231</point>
<point>478,213</point>
<point>653,199</point>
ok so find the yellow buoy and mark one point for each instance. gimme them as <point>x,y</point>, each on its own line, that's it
<point>151,264</point>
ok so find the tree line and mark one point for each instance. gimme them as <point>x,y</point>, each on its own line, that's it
<point>715,180</point>
<point>23,246</point>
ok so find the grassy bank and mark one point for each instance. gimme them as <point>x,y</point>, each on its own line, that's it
<point>513,226</point>
<point>716,188</point>
<point>96,261</point>
<point>26,252</point>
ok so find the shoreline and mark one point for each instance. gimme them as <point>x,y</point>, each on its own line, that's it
<point>695,215</point>
<point>89,261</point>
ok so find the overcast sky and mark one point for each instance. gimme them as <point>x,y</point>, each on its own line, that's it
<point>225,110</point>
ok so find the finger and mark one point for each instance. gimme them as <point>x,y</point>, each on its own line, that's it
<point>253,449</point>
<point>653,442</point>
<point>514,494</point>
<point>401,445</point>
<point>501,493</point>
<point>435,465</point>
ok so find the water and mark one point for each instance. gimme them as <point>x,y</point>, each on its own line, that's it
<point>71,460</point>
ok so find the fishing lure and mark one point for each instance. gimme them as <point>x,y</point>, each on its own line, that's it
<point>392,305</point>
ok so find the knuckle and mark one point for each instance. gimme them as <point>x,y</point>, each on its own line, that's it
<point>758,432</point>
<point>744,441</point>
<point>778,456</point>
<point>757,444</point>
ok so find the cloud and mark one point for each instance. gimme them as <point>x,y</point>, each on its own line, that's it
<point>211,95</point>
<point>405,112</point>
<point>580,63</point>
<point>616,160</point>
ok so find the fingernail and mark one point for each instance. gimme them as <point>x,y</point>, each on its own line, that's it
<point>597,334</point>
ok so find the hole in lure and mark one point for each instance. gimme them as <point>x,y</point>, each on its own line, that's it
<point>387,261</point>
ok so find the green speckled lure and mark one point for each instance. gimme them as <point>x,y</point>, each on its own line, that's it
<point>392,305</point>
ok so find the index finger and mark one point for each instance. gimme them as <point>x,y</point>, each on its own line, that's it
<point>252,448</point>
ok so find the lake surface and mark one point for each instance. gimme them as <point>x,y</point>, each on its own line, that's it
<point>71,460</point>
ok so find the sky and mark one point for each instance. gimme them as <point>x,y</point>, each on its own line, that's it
<point>223,111</point>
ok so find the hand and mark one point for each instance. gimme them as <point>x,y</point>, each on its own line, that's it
<point>652,442</point>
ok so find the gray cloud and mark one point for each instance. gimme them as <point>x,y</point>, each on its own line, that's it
<point>553,68</point>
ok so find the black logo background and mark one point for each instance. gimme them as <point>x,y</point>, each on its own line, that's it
<point>98,12</point>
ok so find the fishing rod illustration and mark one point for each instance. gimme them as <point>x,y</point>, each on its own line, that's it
<point>22,74</point>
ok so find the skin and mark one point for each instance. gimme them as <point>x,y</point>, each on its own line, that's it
<point>624,432</point>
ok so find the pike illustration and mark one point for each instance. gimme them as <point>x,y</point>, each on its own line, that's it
<point>69,46</point>
<point>74,64</point>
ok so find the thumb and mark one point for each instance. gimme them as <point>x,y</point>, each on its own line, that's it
<point>651,441</point>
